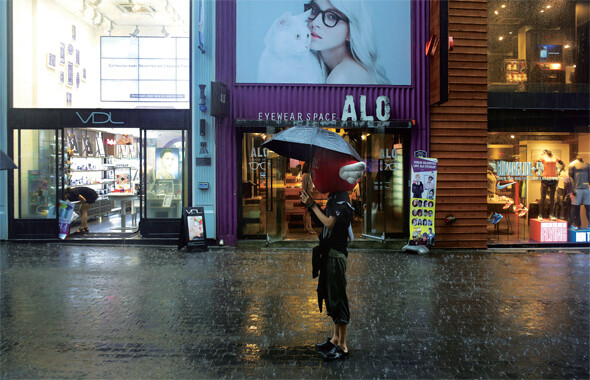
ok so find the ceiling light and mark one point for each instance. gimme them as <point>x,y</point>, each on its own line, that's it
<point>501,38</point>
<point>164,32</point>
<point>503,5</point>
<point>511,136</point>
<point>548,6</point>
<point>509,32</point>
<point>542,10</point>
<point>97,18</point>
<point>496,12</point>
<point>567,46</point>
<point>135,32</point>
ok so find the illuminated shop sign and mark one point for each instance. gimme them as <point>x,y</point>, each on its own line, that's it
<point>506,170</point>
<point>351,111</point>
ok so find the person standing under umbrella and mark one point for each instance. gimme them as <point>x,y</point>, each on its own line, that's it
<point>336,221</point>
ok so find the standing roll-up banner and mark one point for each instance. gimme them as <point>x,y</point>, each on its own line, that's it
<point>423,200</point>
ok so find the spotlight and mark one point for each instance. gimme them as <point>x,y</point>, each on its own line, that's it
<point>135,32</point>
<point>164,32</point>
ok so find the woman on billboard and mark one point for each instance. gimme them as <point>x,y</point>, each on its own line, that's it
<point>342,36</point>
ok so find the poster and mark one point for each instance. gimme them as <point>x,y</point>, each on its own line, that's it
<point>193,233</point>
<point>279,42</point>
<point>167,163</point>
<point>423,200</point>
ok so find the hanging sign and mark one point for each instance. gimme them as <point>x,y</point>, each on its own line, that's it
<point>423,200</point>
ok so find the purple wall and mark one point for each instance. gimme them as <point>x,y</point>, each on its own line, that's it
<point>246,101</point>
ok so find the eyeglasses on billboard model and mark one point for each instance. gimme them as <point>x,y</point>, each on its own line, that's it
<point>329,18</point>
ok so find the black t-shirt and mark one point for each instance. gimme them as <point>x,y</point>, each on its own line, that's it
<point>339,206</point>
<point>90,195</point>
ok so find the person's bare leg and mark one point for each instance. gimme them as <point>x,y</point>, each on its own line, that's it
<point>84,217</point>
<point>342,329</point>
<point>335,338</point>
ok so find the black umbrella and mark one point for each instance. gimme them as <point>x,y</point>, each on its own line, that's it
<point>6,162</point>
<point>300,143</point>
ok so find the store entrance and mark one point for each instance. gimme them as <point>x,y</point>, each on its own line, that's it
<point>270,186</point>
<point>104,165</point>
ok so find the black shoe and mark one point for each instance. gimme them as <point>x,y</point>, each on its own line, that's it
<point>325,347</point>
<point>336,353</point>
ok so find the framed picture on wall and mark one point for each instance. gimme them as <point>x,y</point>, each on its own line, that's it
<point>70,74</point>
<point>77,80</point>
<point>62,53</point>
<point>70,49</point>
<point>62,77</point>
<point>77,57</point>
<point>73,32</point>
<point>51,60</point>
<point>84,74</point>
<point>69,98</point>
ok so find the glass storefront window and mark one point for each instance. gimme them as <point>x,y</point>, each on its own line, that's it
<point>101,54</point>
<point>35,178</point>
<point>165,168</point>
<point>529,191</point>
<point>538,46</point>
<point>271,184</point>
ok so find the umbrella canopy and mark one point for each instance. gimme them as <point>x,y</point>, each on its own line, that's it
<point>300,143</point>
<point>6,162</point>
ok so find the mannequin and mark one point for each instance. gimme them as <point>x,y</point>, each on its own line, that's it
<point>564,189</point>
<point>491,182</point>
<point>549,181</point>
<point>579,173</point>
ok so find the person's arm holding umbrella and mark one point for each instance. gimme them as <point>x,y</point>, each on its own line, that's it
<point>308,201</point>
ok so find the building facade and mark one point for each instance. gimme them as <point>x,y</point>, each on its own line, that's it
<point>114,92</point>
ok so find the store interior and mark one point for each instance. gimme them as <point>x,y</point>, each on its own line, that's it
<point>515,186</point>
<point>271,185</point>
<point>107,163</point>
<point>538,45</point>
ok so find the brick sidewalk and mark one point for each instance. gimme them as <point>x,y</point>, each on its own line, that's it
<point>148,312</point>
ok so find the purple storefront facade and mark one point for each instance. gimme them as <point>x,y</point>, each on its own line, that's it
<point>409,108</point>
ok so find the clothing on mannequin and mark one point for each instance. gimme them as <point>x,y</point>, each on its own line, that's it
<point>564,189</point>
<point>549,181</point>
<point>491,182</point>
<point>579,172</point>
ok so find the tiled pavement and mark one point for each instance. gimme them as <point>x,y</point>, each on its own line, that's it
<point>79,311</point>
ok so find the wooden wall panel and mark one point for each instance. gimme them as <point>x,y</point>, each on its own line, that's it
<point>458,132</point>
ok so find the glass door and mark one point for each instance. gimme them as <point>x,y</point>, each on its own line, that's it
<point>164,187</point>
<point>262,189</point>
<point>383,184</point>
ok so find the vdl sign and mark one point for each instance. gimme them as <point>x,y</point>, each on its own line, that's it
<point>98,118</point>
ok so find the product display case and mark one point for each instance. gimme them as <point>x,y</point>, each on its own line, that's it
<point>515,71</point>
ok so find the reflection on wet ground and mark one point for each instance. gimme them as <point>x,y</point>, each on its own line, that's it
<point>137,312</point>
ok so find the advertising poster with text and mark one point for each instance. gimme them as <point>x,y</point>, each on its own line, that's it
<point>423,200</point>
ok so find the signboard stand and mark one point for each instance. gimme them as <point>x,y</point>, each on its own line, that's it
<point>193,234</point>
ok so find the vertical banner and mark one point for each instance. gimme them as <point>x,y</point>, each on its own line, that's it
<point>423,200</point>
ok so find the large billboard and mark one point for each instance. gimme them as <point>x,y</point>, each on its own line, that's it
<point>366,42</point>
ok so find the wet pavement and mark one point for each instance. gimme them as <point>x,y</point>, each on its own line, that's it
<point>79,311</point>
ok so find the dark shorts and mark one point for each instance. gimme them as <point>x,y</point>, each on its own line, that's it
<point>336,298</point>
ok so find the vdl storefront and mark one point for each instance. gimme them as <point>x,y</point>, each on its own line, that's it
<point>99,96</point>
<point>381,111</point>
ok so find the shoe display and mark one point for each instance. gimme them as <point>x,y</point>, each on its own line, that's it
<point>491,217</point>
<point>508,204</point>
<point>325,347</point>
<point>540,217</point>
<point>523,212</point>
<point>574,227</point>
<point>336,353</point>
<point>552,217</point>
<point>497,218</point>
<point>518,208</point>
